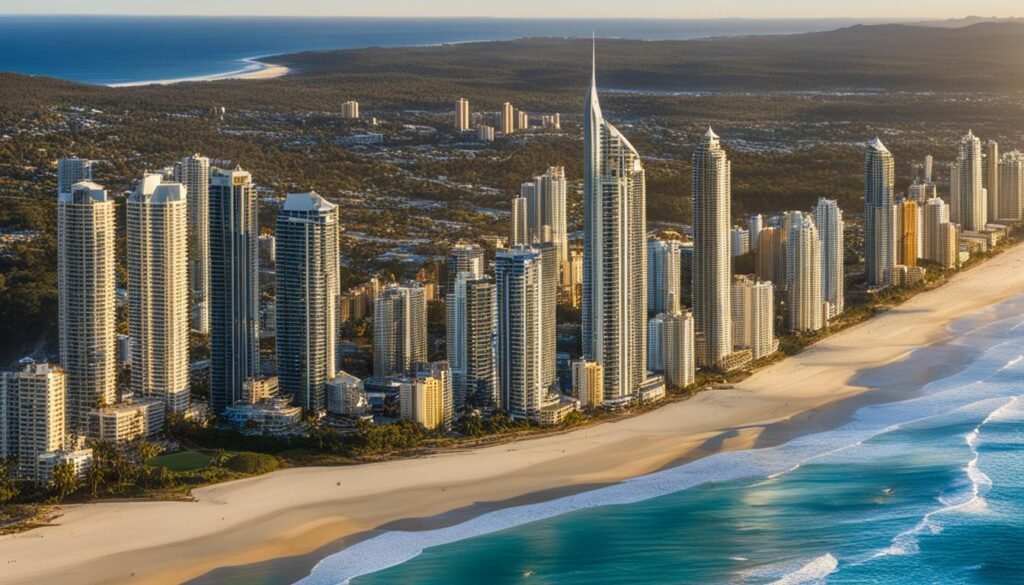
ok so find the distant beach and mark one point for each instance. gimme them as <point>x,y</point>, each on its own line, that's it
<point>254,69</point>
<point>297,511</point>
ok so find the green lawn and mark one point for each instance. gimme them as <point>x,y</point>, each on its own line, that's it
<point>183,461</point>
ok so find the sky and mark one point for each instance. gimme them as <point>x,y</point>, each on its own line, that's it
<point>895,9</point>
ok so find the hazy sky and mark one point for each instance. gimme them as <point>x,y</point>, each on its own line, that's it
<point>531,8</point>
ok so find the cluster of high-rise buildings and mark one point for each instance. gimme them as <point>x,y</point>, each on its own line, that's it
<point>508,120</point>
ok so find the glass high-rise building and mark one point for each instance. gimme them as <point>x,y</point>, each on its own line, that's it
<point>234,286</point>
<point>194,172</point>
<point>879,214</point>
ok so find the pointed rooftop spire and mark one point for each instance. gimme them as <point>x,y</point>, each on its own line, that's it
<point>876,144</point>
<point>593,60</point>
<point>710,134</point>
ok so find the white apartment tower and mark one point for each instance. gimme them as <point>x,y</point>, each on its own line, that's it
<point>1011,186</point>
<point>828,218</point>
<point>34,415</point>
<point>972,199</point>
<point>753,316</point>
<point>522,342</point>
<point>664,271</point>
<point>234,286</point>
<point>671,347</point>
<point>462,115</point>
<point>399,329</point>
<point>194,172</point>
<point>936,220</point>
<point>803,275</point>
<point>712,259</point>
<point>990,180</point>
<point>158,291</point>
<point>308,266</point>
<point>470,340</point>
<point>508,119</point>
<point>86,300</point>
<point>614,254</point>
<point>879,214</point>
<point>545,210</point>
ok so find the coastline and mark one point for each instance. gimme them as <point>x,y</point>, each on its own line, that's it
<point>255,69</point>
<point>298,511</point>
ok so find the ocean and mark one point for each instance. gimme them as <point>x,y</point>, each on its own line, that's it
<point>927,489</point>
<point>120,50</point>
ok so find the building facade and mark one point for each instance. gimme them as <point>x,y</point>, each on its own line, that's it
<point>803,277</point>
<point>879,214</point>
<point>234,286</point>
<point>753,316</point>
<point>522,341</point>
<point>972,199</point>
<point>664,275</point>
<point>828,218</point>
<point>194,173</point>
<point>399,329</point>
<point>158,291</point>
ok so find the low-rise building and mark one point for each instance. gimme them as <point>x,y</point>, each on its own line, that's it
<point>588,383</point>
<point>346,396</point>
<point>259,389</point>
<point>556,409</point>
<point>80,459</point>
<point>127,421</point>
<point>274,416</point>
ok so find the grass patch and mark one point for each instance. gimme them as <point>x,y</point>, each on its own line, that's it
<point>183,461</point>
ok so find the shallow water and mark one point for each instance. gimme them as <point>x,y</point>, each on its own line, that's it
<point>926,490</point>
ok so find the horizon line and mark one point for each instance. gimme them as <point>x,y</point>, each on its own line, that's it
<point>892,19</point>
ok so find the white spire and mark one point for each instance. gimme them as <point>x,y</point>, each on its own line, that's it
<point>593,60</point>
<point>710,134</point>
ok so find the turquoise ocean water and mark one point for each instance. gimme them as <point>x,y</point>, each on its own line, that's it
<point>926,490</point>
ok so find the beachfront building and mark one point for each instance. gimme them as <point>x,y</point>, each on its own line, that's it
<point>194,173</point>
<point>128,421</point>
<point>522,342</point>
<point>990,180</point>
<point>906,232</point>
<point>670,348</point>
<point>803,275</point>
<point>33,409</point>
<point>346,396</point>
<point>86,280</point>
<point>399,329</point>
<point>470,340</point>
<point>462,115</point>
<point>425,396</point>
<point>308,293</point>
<point>1011,187</point>
<point>828,218</point>
<point>940,235</point>
<point>712,261</point>
<point>158,291</point>
<point>234,285</point>
<point>967,191</point>
<point>614,311</point>
<point>588,383</point>
<point>879,214</point>
<point>664,274</point>
<point>753,316</point>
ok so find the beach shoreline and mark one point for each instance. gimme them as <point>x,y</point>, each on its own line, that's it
<point>295,513</point>
<point>254,69</point>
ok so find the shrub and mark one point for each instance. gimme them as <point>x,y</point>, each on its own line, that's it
<point>253,463</point>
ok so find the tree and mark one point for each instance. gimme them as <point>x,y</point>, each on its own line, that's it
<point>8,489</point>
<point>63,480</point>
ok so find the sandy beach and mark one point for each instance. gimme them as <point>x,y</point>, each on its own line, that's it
<point>254,69</point>
<point>297,511</point>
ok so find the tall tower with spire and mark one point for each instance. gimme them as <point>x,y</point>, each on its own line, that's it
<point>614,253</point>
<point>712,257</point>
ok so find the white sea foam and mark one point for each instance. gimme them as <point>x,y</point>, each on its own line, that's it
<point>969,392</point>
<point>813,572</point>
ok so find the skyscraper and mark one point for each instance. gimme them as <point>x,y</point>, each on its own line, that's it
<point>771,256</point>
<point>508,119</point>
<point>906,232</point>
<point>879,214</point>
<point>614,254</point>
<point>462,115</point>
<point>828,218</point>
<point>545,210</point>
<point>72,170</point>
<point>307,297</point>
<point>194,172</point>
<point>463,258</point>
<point>399,329</point>
<point>753,316</point>
<point>990,180</point>
<point>35,420</point>
<point>971,195</point>
<point>1011,186</point>
<point>85,299</point>
<point>158,298</point>
<point>522,348</point>
<point>520,232</point>
<point>471,331</point>
<point>350,110</point>
<point>803,276</point>
<point>740,241</point>
<point>664,271</point>
<point>712,260</point>
<point>937,240</point>
<point>671,347</point>
<point>234,285</point>
<point>754,225</point>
